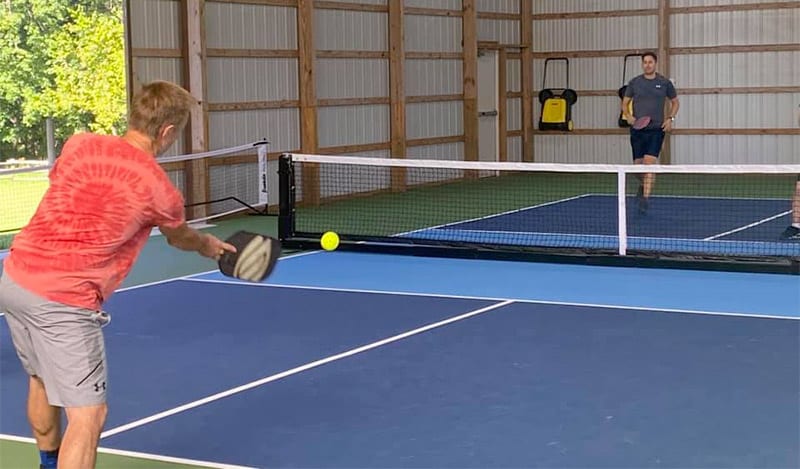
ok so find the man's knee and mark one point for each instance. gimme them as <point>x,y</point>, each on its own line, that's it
<point>91,418</point>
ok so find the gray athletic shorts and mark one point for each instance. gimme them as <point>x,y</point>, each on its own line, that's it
<point>62,345</point>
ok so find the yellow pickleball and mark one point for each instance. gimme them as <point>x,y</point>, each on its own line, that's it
<point>329,241</point>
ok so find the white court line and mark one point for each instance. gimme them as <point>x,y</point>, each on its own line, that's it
<point>486,217</point>
<point>138,455</point>
<point>296,370</point>
<point>491,298</point>
<point>746,227</point>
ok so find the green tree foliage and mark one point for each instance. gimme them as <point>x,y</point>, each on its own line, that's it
<point>62,59</point>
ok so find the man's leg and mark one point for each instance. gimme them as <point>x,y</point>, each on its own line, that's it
<point>84,424</point>
<point>45,421</point>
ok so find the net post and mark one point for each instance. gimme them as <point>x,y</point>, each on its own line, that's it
<point>622,216</point>
<point>263,193</point>
<point>286,193</point>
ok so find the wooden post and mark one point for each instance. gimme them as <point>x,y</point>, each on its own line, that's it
<point>308,99</point>
<point>502,104</point>
<point>194,54</point>
<point>526,31</point>
<point>469,24</point>
<point>397,90</point>
<point>664,65</point>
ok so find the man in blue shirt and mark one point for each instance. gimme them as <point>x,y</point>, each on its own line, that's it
<point>649,92</point>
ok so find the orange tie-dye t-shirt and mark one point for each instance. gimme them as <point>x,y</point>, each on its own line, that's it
<point>105,196</point>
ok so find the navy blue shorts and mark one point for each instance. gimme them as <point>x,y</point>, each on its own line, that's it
<point>646,142</point>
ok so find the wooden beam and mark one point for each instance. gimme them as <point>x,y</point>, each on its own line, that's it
<point>423,142</point>
<point>594,14</point>
<point>276,3</point>
<point>253,105</point>
<point>352,54</point>
<point>322,5</point>
<point>253,53</point>
<point>308,99</point>
<point>526,37</point>
<point>469,25</point>
<point>727,8</point>
<point>693,91</point>
<point>493,15</point>
<point>432,12</point>
<point>502,105</point>
<point>435,98</point>
<point>349,149</point>
<point>330,102</point>
<point>197,180</point>
<point>435,55</point>
<point>735,49</point>
<point>397,91</point>
<point>729,131</point>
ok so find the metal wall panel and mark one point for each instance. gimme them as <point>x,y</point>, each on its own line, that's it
<point>597,73</point>
<point>502,31</point>
<point>352,78</point>
<point>147,69</point>
<point>234,80</point>
<point>279,126</point>
<point>736,28</point>
<point>155,24</point>
<point>442,4</point>
<point>736,149</point>
<point>513,75</point>
<point>351,30</point>
<point>736,70</point>
<point>425,77</point>
<point>514,153</point>
<point>368,2</point>
<point>352,125</point>
<point>633,32</point>
<point>740,111</point>
<point>499,6</point>
<point>577,149</point>
<point>441,119</point>
<point>446,151</point>
<point>569,6</point>
<point>432,34</point>
<point>238,26</point>
<point>514,114</point>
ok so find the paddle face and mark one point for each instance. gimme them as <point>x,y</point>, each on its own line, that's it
<point>254,259</point>
<point>641,122</point>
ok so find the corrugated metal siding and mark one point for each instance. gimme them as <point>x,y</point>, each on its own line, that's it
<point>443,4</point>
<point>502,31</point>
<point>514,114</point>
<point>146,69</point>
<point>735,149</point>
<point>350,30</point>
<point>337,180</point>
<point>601,149</point>
<point>178,178</point>
<point>351,125</point>
<point>352,78</point>
<point>432,34</point>
<point>233,80</point>
<point>565,6</point>
<point>586,73</point>
<point>237,26</point>
<point>425,77</point>
<point>634,32</point>
<point>736,28</point>
<point>499,6</point>
<point>446,151</point>
<point>441,119</point>
<point>155,24</point>
<point>736,70</point>
<point>513,75</point>
<point>279,126</point>
<point>514,153</point>
<point>368,2</point>
<point>740,111</point>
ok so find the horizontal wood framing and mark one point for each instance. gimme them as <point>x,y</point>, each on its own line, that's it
<point>432,12</point>
<point>728,8</point>
<point>434,98</point>
<point>422,142</point>
<point>349,149</point>
<point>253,105</point>
<point>491,15</point>
<point>621,131</point>
<point>277,3</point>
<point>595,14</point>
<point>353,101</point>
<point>254,53</point>
<point>693,91</point>
<point>672,11</point>
<point>322,5</point>
<point>582,54</point>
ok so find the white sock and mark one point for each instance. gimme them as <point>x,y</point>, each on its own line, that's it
<point>796,225</point>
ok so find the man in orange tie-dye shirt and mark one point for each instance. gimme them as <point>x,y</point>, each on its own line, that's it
<point>106,194</point>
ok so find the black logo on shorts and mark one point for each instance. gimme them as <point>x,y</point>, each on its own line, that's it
<point>99,386</point>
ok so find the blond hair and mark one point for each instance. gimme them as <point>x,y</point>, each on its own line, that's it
<point>158,104</point>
